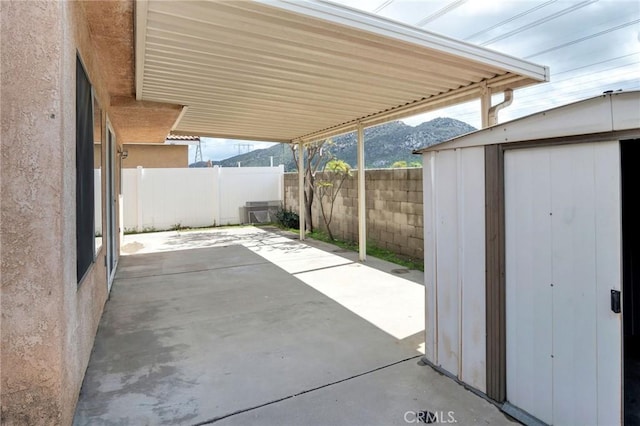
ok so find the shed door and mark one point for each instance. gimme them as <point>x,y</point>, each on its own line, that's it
<point>563,254</point>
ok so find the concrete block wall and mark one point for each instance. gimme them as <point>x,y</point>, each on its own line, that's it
<point>394,209</point>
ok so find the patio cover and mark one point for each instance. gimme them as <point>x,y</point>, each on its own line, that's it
<point>298,71</point>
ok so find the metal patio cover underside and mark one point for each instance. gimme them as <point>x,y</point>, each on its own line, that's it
<point>292,70</point>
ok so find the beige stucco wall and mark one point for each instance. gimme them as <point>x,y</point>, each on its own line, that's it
<point>48,321</point>
<point>394,209</point>
<point>156,156</point>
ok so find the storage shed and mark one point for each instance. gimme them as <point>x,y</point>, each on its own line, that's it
<point>531,249</point>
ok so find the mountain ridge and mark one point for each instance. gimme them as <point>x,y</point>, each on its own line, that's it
<point>384,145</point>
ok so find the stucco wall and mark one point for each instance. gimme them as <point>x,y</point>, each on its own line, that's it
<point>156,156</point>
<point>48,321</point>
<point>394,209</point>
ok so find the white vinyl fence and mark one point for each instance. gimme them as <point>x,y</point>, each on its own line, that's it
<point>165,198</point>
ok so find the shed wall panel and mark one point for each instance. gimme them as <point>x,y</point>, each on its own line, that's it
<point>608,276</point>
<point>472,267</point>
<point>574,285</point>
<point>455,263</point>
<point>447,260</point>
<point>528,281</point>
<point>563,246</point>
<point>430,277</point>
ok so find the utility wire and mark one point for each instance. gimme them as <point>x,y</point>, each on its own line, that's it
<point>441,12</point>
<point>538,22</point>
<point>581,39</point>
<point>573,92</point>
<point>382,6</point>
<point>473,113</point>
<point>593,73</point>
<point>513,18</point>
<point>627,80</point>
<point>567,89</point>
<point>597,63</point>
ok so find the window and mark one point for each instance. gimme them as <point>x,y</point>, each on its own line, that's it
<point>85,237</point>
<point>97,171</point>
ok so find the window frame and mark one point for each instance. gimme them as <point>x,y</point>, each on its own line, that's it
<point>85,197</point>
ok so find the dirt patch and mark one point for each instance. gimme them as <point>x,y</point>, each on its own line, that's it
<point>131,248</point>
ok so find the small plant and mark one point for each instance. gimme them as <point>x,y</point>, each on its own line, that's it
<point>288,219</point>
<point>147,229</point>
<point>177,227</point>
<point>401,164</point>
<point>336,172</point>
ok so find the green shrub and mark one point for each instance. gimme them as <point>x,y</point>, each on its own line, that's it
<point>288,218</point>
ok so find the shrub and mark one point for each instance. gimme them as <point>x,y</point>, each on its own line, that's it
<point>288,218</point>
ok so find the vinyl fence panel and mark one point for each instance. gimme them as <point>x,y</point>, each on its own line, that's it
<point>162,199</point>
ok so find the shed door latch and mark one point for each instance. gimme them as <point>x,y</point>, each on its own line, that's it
<point>615,301</point>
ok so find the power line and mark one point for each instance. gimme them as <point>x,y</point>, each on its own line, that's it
<point>513,18</point>
<point>631,73</point>
<point>529,101</point>
<point>567,97</point>
<point>593,76</point>
<point>597,63</point>
<point>538,22</point>
<point>568,94</point>
<point>473,113</point>
<point>441,12</point>
<point>581,39</point>
<point>382,6</point>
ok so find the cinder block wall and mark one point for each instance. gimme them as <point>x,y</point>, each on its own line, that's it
<point>394,209</point>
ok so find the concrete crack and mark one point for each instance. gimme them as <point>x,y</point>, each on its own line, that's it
<point>275,401</point>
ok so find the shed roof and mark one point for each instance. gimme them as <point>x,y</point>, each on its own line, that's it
<point>291,70</point>
<point>609,112</point>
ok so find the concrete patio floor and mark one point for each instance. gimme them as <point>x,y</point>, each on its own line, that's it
<point>242,325</point>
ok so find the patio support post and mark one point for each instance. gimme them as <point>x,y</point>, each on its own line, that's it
<point>301,205</point>
<point>362,213</point>
<point>485,104</point>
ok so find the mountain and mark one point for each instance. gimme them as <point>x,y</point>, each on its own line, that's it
<point>384,145</point>
<point>204,164</point>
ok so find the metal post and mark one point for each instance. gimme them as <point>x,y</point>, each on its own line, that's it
<point>362,213</point>
<point>301,207</point>
<point>485,104</point>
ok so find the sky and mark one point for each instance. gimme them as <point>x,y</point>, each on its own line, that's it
<point>590,46</point>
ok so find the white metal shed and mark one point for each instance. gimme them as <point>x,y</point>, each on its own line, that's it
<point>524,259</point>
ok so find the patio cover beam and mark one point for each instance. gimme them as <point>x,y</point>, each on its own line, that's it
<point>290,70</point>
<point>301,204</point>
